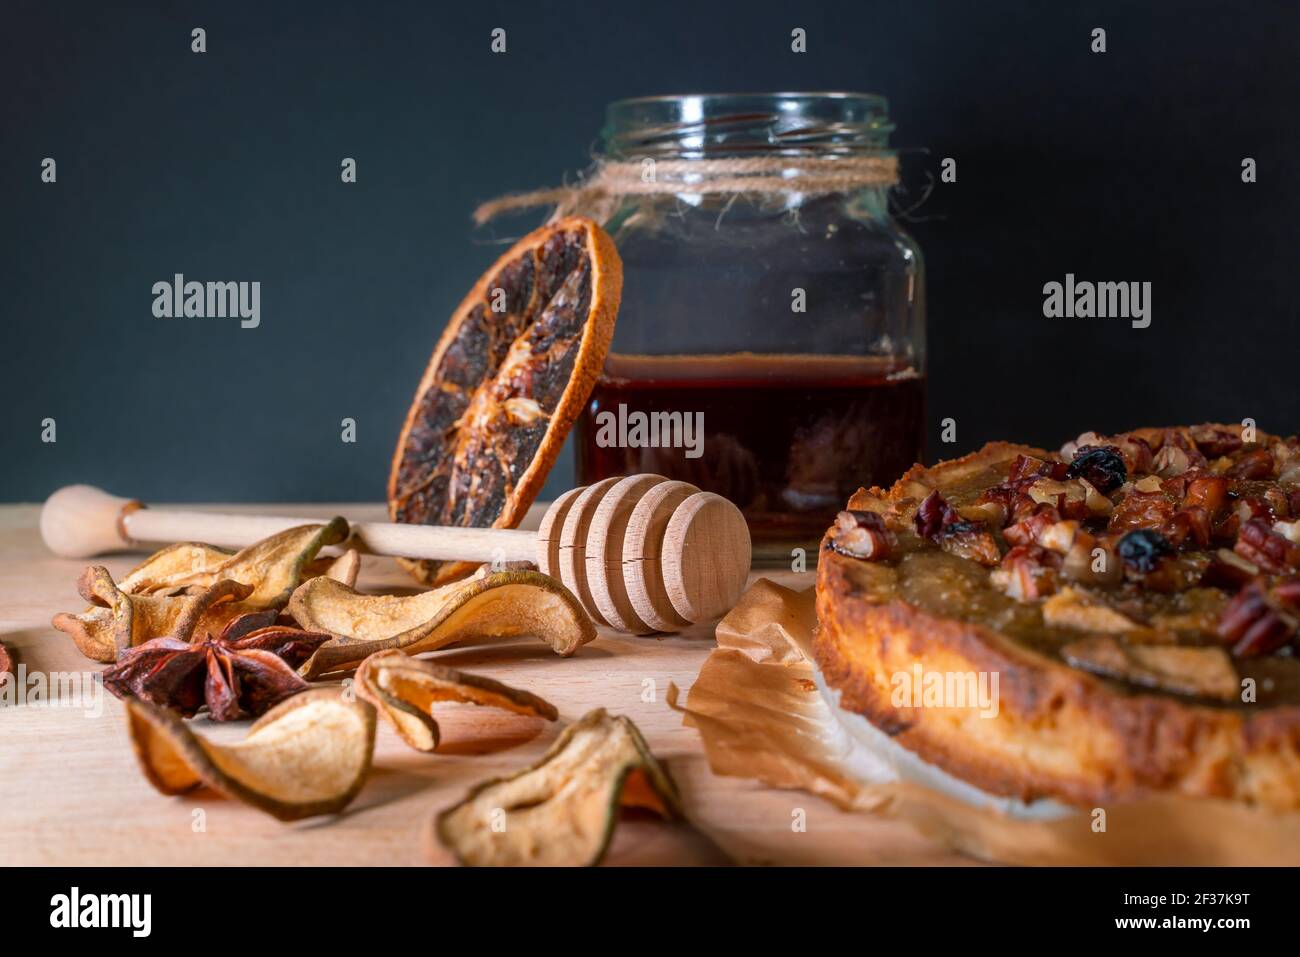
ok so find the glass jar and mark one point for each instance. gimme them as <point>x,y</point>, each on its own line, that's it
<point>789,322</point>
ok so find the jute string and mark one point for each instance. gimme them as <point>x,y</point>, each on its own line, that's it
<point>601,191</point>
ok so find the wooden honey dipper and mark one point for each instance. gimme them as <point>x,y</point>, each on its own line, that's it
<point>642,554</point>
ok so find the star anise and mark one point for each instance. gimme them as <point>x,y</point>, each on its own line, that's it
<point>247,669</point>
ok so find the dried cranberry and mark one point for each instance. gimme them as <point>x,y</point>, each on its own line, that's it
<point>1101,465</point>
<point>1143,549</point>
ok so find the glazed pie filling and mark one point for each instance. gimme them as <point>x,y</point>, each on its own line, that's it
<point>1161,560</point>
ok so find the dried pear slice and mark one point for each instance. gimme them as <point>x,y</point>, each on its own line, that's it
<point>275,565</point>
<point>117,621</point>
<point>562,810</point>
<point>506,381</point>
<point>309,755</point>
<point>402,689</point>
<point>158,597</point>
<point>345,568</point>
<point>173,568</point>
<point>500,605</point>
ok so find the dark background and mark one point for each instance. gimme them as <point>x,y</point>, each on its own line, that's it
<point>225,166</point>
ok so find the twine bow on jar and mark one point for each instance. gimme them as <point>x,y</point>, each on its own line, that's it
<point>610,181</point>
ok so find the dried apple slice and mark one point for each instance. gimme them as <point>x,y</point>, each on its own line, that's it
<point>403,689</point>
<point>500,605</point>
<point>309,755</point>
<point>562,810</point>
<point>512,370</point>
<point>117,621</point>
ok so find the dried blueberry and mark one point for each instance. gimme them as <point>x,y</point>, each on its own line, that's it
<point>1143,548</point>
<point>1101,465</point>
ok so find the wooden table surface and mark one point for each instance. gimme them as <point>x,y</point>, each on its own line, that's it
<point>71,792</point>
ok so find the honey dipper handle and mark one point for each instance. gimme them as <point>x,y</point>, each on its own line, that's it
<point>79,521</point>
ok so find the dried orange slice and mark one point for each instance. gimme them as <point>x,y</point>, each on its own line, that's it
<point>508,377</point>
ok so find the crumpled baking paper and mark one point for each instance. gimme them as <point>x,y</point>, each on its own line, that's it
<point>763,712</point>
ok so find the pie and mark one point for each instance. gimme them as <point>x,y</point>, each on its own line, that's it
<point>1136,597</point>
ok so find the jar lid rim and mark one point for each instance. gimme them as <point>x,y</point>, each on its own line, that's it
<point>755,94</point>
<point>719,123</point>
<point>707,105</point>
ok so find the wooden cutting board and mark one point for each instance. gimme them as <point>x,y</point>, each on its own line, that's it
<point>71,793</point>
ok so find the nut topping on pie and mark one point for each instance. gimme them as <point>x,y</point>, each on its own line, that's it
<point>1139,594</point>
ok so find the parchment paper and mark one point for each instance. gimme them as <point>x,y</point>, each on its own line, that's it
<point>764,712</point>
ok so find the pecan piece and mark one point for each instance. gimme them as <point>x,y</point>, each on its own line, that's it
<point>1189,523</point>
<point>1214,442</point>
<point>1171,461</point>
<point>1030,529</point>
<point>1256,623</point>
<point>971,540</point>
<point>1009,500</point>
<point>1137,453</point>
<point>1258,543</point>
<point>1091,561</point>
<point>1255,464</point>
<point>1070,498</point>
<point>1228,570</point>
<point>860,534</point>
<point>1027,572</point>
<point>1026,466</point>
<point>1209,492</point>
<point>1141,510</point>
<point>1097,505</point>
<point>1253,506</point>
<point>932,515</point>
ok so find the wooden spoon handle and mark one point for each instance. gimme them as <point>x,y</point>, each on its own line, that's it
<point>80,521</point>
